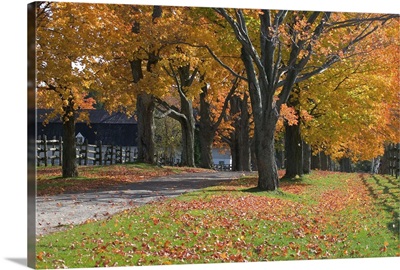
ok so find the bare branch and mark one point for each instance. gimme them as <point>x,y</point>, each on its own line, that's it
<point>170,110</point>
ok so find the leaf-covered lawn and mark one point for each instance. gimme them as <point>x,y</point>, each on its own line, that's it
<point>50,182</point>
<point>324,215</point>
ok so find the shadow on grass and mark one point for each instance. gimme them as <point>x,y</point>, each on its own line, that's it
<point>390,205</point>
<point>253,190</point>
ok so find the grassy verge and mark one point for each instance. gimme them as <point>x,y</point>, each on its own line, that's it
<point>323,215</point>
<point>50,182</point>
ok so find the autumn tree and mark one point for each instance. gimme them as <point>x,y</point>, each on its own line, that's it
<point>157,65</point>
<point>184,76</point>
<point>352,104</point>
<point>235,131</point>
<point>70,59</point>
<point>136,70</point>
<point>148,55</point>
<point>331,94</point>
<point>288,40</point>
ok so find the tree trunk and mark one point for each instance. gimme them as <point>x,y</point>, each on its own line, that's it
<point>345,165</point>
<point>306,158</point>
<point>324,161</point>
<point>265,115</point>
<point>188,126</point>
<point>234,153</point>
<point>206,133</point>
<point>253,154</point>
<point>265,152</point>
<point>206,142</point>
<point>145,120</point>
<point>294,151</point>
<point>315,161</point>
<point>384,167</point>
<point>240,141</point>
<point>244,136</point>
<point>187,157</point>
<point>69,166</point>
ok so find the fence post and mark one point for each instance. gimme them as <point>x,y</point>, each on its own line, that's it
<point>86,151</point>
<point>135,154</point>
<point>53,151</point>
<point>38,148</point>
<point>61,150</point>
<point>100,153</point>
<point>128,154</point>
<point>45,149</point>
<point>111,154</point>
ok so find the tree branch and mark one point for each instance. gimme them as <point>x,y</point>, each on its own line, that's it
<point>216,58</point>
<point>226,103</point>
<point>170,110</point>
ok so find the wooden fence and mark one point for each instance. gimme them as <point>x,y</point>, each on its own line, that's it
<point>223,167</point>
<point>49,152</point>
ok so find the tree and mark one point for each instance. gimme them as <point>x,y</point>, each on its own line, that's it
<point>136,70</point>
<point>150,43</point>
<point>184,78</point>
<point>236,130</point>
<point>145,101</point>
<point>288,40</point>
<point>70,61</point>
<point>352,104</point>
<point>293,142</point>
<point>331,94</point>
<point>212,111</point>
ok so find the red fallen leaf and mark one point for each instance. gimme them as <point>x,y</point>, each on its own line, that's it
<point>155,220</point>
<point>40,256</point>
<point>167,244</point>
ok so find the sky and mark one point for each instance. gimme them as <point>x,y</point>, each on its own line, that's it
<point>13,132</point>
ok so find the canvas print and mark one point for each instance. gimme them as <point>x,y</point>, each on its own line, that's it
<point>166,135</point>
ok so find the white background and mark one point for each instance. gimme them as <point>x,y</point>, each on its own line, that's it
<point>13,106</point>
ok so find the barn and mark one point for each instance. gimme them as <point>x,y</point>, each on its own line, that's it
<point>110,129</point>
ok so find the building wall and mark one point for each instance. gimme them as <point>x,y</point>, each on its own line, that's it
<point>222,156</point>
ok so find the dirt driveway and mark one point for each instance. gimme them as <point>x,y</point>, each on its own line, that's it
<point>54,213</point>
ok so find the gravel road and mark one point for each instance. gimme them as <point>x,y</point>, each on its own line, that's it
<point>55,213</point>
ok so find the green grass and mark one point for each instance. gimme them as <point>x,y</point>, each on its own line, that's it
<point>323,215</point>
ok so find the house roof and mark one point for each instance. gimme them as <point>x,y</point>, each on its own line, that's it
<point>95,117</point>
